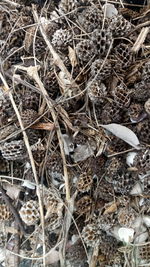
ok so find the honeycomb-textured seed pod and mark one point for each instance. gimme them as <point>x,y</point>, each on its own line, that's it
<point>28,116</point>
<point>147,106</point>
<point>123,56</point>
<point>5,213</point>
<point>54,167</point>
<point>143,131</point>
<point>61,39</point>
<point>122,96</point>
<point>105,191</point>
<point>53,222</point>
<point>111,113</point>
<point>113,166</point>
<point>102,39</point>
<point>108,245</point>
<point>85,50</point>
<point>91,235</point>
<point>51,200</point>
<point>101,69</point>
<point>126,217</point>
<point>116,259</point>
<point>30,100</point>
<point>91,18</point>
<point>120,26</point>
<point>51,83</point>
<point>14,150</point>
<point>85,182</point>
<point>29,212</point>
<point>96,91</point>
<point>146,71</point>
<point>124,182</point>
<point>144,252</point>
<point>141,92</point>
<point>84,204</point>
<point>135,111</point>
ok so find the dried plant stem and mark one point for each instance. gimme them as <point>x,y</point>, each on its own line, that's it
<point>11,3</point>
<point>6,88</point>
<point>140,40</point>
<point>32,72</point>
<point>93,261</point>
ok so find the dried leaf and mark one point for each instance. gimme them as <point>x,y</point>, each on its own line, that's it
<point>52,257</point>
<point>65,84</point>
<point>72,56</point>
<point>82,152</point>
<point>123,133</point>
<point>111,208</point>
<point>110,10</point>
<point>28,184</point>
<point>43,126</point>
<point>12,191</point>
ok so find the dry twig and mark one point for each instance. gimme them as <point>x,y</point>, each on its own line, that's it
<point>6,88</point>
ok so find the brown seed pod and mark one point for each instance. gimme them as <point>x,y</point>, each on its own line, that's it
<point>84,204</point>
<point>85,182</point>
<point>96,91</point>
<point>102,69</point>
<point>123,56</point>
<point>91,235</point>
<point>120,26</point>
<point>102,38</point>
<point>14,150</point>
<point>28,116</point>
<point>29,212</point>
<point>144,252</point>
<point>61,39</point>
<point>111,113</point>
<point>51,200</point>
<point>53,222</point>
<point>126,217</point>
<point>141,92</point>
<point>5,213</point>
<point>121,96</point>
<point>85,50</point>
<point>91,18</point>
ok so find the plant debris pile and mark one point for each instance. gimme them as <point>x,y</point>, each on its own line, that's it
<point>74,133</point>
